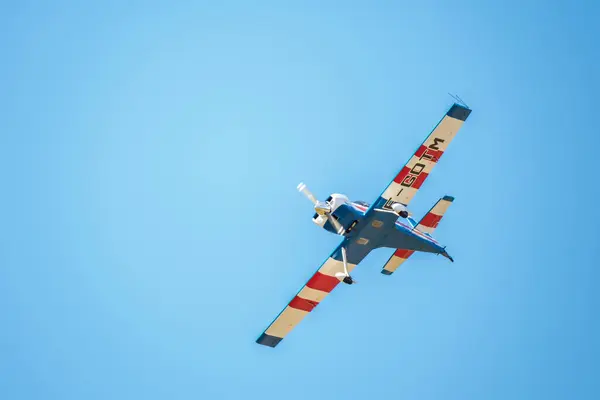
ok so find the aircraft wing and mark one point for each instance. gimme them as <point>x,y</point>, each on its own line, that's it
<point>312,293</point>
<point>410,178</point>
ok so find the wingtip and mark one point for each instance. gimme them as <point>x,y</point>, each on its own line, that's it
<point>268,340</point>
<point>459,111</point>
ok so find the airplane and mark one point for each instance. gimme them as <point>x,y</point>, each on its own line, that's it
<point>387,223</point>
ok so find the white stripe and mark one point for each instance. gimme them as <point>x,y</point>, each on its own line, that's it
<point>287,320</point>
<point>393,263</point>
<point>425,229</point>
<point>332,266</point>
<point>312,294</point>
<point>441,207</point>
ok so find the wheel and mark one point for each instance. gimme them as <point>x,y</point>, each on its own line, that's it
<point>404,214</point>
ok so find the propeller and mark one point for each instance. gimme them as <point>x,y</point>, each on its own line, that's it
<point>321,207</point>
<point>303,189</point>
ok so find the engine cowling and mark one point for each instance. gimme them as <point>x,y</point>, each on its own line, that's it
<point>335,201</point>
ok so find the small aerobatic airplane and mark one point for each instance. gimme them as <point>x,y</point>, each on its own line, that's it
<point>364,227</point>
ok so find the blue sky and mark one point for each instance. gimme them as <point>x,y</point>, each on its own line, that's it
<point>152,229</point>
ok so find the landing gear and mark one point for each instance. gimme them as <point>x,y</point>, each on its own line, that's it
<point>345,276</point>
<point>400,209</point>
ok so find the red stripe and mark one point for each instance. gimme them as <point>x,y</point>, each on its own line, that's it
<point>431,220</point>
<point>420,179</point>
<point>302,304</point>
<point>432,155</point>
<point>409,179</point>
<point>403,253</point>
<point>322,282</point>
<point>400,177</point>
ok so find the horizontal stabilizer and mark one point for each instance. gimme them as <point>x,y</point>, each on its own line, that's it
<point>397,259</point>
<point>431,220</point>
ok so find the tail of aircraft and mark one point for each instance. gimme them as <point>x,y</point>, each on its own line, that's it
<point>427,225</point>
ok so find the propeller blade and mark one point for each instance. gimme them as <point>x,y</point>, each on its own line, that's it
<point>338,227</point>
<point>303,189</point>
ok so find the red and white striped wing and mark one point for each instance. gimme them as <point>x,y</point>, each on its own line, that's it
<point>406,184</point>
<point>311,294</point>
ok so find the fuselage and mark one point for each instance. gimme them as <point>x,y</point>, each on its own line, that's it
<point>377,227</point>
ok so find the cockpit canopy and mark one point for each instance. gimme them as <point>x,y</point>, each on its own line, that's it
<point>362,203</point>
